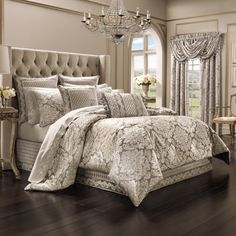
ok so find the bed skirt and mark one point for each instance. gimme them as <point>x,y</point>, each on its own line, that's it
<point>26,153</point>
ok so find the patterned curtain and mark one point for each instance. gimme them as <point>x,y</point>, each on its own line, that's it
<point>207,47</point>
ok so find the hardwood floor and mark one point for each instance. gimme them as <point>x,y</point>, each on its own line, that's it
<point>205,205</point>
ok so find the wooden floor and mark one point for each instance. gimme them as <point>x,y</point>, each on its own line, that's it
<point>205,205</point>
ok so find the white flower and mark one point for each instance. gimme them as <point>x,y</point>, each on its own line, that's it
<point>7,92</point>
<point>145,79</point>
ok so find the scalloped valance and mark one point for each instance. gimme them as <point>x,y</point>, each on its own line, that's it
<point>202,45</point>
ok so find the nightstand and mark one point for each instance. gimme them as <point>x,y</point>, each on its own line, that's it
<point>10,114</point>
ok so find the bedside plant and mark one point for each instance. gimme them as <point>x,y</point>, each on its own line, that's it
<point>5,94</point>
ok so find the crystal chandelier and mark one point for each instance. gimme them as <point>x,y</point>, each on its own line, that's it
<point>116,23</point>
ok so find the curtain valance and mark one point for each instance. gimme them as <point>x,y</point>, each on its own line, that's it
<point>203,45</point>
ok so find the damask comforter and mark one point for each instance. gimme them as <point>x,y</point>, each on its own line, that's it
<point>133,151</point>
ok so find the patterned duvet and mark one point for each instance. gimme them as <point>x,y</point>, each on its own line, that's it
<point>133,151</point>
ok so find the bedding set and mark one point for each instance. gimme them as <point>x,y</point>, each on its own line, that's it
<point>90,133</point>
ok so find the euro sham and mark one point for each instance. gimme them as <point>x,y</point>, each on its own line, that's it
<point>88,80</point>
<point>23,82</point>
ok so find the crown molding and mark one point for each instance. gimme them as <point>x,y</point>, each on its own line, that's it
<point>67,10</point>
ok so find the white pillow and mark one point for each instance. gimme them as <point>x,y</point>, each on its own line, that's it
<point>78,97</point>
<point>86,80</point>
<point>23,82</point>
<point>102,86</point>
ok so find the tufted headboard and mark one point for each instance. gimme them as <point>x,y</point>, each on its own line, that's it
<point>41,63</point>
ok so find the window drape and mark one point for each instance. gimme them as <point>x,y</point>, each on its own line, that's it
<point>207,47</point>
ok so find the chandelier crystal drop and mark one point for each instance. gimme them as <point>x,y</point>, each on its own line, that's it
<point>116,24</point>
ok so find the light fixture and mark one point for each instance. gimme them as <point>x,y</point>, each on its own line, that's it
<point>4,60</point>
<point>116,23</point>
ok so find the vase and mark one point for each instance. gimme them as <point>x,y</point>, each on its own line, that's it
<point>4,102</point>
<point>145,88</point>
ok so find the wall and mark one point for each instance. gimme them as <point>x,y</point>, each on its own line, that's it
<point>56,25</point>
<point>191,16</point>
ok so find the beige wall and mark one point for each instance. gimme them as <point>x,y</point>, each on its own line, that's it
<point>191,16</point>
<point>56,25</point>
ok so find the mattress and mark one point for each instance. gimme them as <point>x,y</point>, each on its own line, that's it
<point>33,133</point>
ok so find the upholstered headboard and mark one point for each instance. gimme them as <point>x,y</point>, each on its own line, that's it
<point>41,63</point>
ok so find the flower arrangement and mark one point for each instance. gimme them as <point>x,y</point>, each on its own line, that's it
<point>5,94</point>
<point>145,80</point>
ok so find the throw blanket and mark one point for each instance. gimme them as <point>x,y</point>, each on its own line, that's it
<point>138,148</point>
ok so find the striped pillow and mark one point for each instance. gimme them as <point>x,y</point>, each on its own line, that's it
<point>125,105</point>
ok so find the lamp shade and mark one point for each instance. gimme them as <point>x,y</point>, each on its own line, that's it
<point>4,60</point>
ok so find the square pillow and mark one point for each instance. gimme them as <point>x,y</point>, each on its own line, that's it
<point>31,105</point>
<point>125,105</point>
<point>51,106</point>
<point>87,80</point>
<point>23,82</point>
<point>43,105</point>
<point>78,96</point>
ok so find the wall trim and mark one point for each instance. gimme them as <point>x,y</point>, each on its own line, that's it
<point>51,7</point>
<point>67,10</point>
<point>195,22</point>
<point>200,16</point>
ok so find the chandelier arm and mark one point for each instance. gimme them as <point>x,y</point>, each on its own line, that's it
<point>116,23</point>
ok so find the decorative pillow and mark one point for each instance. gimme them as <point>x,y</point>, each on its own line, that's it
<point>102,86</point>
<point>125,105</point>
<point>118,90</point>
<point>31,105</point>
<point>100,91</point>
<point>160,111</point>
<point>78,97</point>
<point>22,82</point>
<point>88,80</point>
<point>51,106</point>
<point>43,105</point>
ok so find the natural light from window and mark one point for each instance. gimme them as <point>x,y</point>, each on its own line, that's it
<point>144,61</point>
<point>194,89</point>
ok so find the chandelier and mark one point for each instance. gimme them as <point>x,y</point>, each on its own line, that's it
<point>116,24</point>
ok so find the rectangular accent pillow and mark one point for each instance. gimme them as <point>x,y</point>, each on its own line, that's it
<point>160,111</point>
<point>100,92</point>
<point>86,80</point>
<point>78,96</point>
<point>23,82</point>
<point>125,105</point>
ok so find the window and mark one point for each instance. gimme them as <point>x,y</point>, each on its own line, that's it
<point>194,89</point>
<point>144,61</point>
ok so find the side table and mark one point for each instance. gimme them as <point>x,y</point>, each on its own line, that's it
<point>10,114</point>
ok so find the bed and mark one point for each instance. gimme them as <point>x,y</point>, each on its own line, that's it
<point>38,63</point>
